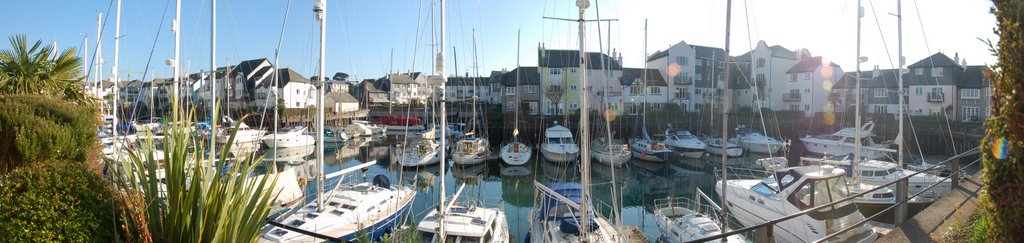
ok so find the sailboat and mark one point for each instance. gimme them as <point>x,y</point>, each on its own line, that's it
<point>642,145</point>
<point>459,221</point>
<point>472,148</point>
<point>516,151</point>
<point>347,209</point>
<point>566,213</point>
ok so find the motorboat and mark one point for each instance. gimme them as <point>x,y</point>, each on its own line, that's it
<point>878,200</point>
<point>376,207</point>
<point>878,172</point>
<point>360,128</point>
<point>679,220</point>
<point>335,136</point>
<point>843,142</point>
<point>558,145</point>
<point>756,142</point>
<point>244,134</point>
<point>684,143</point>
<point>418,153</point>
<point>645,148</point>
<point>560,221</point>
<point>791,190</point>
<point>714,147</point>
<point>516,152</point>
<point>471,150</point>
<point>291,136</point>
<point>287,154</point>
<point>614,153</point>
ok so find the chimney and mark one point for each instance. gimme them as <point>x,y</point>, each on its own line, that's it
<point>875,73</point>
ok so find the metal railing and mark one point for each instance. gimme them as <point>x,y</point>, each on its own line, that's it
<point>899,206</point>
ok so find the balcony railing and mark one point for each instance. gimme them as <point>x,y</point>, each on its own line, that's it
<point>791,97</point>
<point>936,96</point>
<point>683,80</point>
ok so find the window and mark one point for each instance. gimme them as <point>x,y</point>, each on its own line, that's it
<point>511,105</point>
<point>760,78</point>
<point>879,92</point>
<point>655,90</point>
<point>919,71</point>
<point>917,91</point>
<point>556,71</point>
<point>807,76</point>
<point>970,94</point>
<point>937,72</point>
<point>529,89</point>
<point>633,109</point>
<point>760,62</point>
<point>683,61</point>
<point>636,89</point>
<point>792,77</point>
<point>794,107</point>
<point>807,107</point>
<point>807,90</point>
<point>881,109</point>
<point>972,113</point>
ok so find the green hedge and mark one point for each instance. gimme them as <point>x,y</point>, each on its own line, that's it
<point>37,128</point>
<point>57,201</point>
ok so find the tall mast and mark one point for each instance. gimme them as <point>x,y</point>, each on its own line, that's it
<point>277,76</point>
<point>320,13</point>
<point>98,61</point>
<point>584,123</point>
<point>515,132</point>
<point>213,79</point>
<point>476,73</point>
<point>116,77</point>
<point>85,60</point>
<point>176,26</point>
<point>444,125</point>
<point>725,109</point>
<point>643,79</point>
<point>902,186</point>
<point>857,147</point>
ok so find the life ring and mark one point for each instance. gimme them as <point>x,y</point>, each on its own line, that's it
<point>302,182</point>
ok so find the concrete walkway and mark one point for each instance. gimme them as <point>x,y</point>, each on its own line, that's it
<point>954,208</point>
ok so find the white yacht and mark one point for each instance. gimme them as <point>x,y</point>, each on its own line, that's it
<point>471,150</point>
<point>360,128</point>
<point>842,142</point>
<point>245,134</point>
<point>756,142</point>
<point>418,153</point>
<point>289,154</point>
<point>645,148</point>
<point>558,145</point>
<point>684,143</point>
<point>375,206</point>
<point>792,190</point>
<point>877,172</point>
<point>467,224</point>
<point>614,153</point>
<point>516,152</point>
<point>714,147</point>
<point>292,136</point>
<point>558,221</point>
<point>679,220</point>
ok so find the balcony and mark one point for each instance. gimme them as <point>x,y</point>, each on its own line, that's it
<point>938,97</point>
<point>791,97</point>
<point>683,80</point>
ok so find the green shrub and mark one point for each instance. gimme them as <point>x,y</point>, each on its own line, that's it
<point>57,201</point>
<point>42,128</point>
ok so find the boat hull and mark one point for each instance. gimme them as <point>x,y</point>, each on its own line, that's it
<point>469,159</point>
<point>289,141</point>
<point>761,148</point>
<point>560,155</point>
<point>872,208</point>
<point>826,148</point>
<point>650,156</point>
<point>693,153</point>
<point>610,159</point>
<point>731,151</point>
<point>512,156</point>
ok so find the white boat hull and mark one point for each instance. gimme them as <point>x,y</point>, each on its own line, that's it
<point>610,159</point>
<point>513,156</point>
<point>469,159</point>
<point>559,154</point>
<point>761,148</point>
<point>289,141</point>
<point>839,149</point>
<point>731,151</point>
<point>417,158</point>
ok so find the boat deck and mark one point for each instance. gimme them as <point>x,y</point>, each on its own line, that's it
<point>633,234</point>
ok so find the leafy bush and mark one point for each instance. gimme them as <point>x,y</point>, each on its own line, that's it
<point>38,128</point>
<point>57,201</point>
<point>1002,146</point>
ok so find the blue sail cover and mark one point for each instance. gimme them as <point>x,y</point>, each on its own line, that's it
<point>568,223</point>
<point>645,134</point>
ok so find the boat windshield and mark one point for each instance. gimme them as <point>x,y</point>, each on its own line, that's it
<point>560,140</point>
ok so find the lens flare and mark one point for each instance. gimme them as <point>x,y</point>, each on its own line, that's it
<point>827,85</point>
<point>609,115</point>
<point>1000,148</point>
<point>674,69</point>
<point>829,118</point>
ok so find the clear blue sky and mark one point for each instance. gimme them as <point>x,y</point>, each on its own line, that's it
<point>362,34</point>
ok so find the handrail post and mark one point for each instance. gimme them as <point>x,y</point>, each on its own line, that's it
<point>901,201</point>
<point>956,173</point>
<point>765,234</point>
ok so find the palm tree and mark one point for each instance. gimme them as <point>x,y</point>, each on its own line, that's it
<point>39,69</point>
